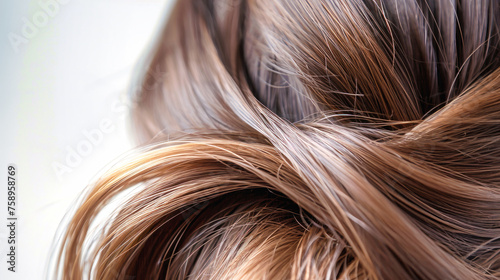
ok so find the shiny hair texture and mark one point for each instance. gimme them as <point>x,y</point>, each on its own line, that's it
<point>294,139</point>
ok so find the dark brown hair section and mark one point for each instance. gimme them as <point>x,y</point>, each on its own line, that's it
<point>308,140</point>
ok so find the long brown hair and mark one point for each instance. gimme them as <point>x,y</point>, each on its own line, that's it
<point>293,139</point>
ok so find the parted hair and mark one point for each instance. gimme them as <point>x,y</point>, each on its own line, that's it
<point>294,139</point>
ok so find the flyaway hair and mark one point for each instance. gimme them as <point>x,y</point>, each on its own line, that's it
<point>294,139</point>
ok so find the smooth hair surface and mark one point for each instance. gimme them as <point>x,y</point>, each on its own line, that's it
<point>294,139</point>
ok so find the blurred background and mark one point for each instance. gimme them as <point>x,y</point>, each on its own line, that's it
<point>64,72</point>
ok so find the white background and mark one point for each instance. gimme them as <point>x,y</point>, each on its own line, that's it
<point>64,82</point>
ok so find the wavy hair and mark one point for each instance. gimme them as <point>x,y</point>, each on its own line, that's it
<point>294,139</point>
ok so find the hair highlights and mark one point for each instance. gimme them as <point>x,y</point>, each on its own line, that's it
<point>312,140</point>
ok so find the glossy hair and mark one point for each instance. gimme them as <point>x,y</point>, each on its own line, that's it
<point>294,139</point>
